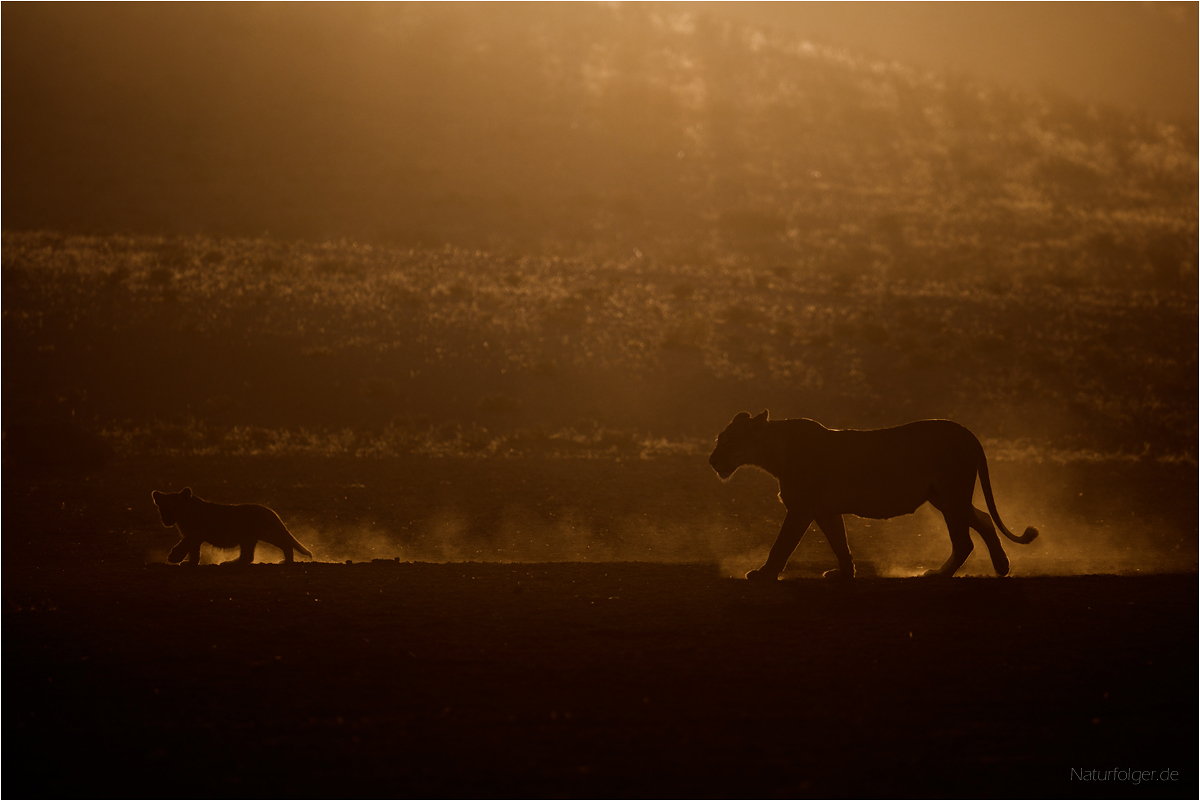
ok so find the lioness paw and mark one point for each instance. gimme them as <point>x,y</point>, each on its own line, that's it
<point>758,575</point>
<point>837,573</point>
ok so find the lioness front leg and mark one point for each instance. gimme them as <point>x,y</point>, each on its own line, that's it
<point>834,530</point>
<point>794,526</point>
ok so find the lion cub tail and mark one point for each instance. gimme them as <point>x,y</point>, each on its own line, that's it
<point>986,484</point>
<point>296,545</point>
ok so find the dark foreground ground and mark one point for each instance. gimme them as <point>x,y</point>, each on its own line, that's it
<point>569,627</point>
<point>605,679</point>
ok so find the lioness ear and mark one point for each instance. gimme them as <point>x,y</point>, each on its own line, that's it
<point>154,496</point>
<point>762,418</point>
<point>187,492</point>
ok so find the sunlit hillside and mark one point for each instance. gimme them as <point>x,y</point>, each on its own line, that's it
<point>595,132</point>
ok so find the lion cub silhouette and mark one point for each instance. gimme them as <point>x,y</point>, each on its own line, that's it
<point>223,526</point>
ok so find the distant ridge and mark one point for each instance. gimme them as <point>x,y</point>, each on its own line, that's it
<point>581,130</point>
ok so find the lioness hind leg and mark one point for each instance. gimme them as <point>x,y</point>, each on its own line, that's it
<point>983,524</point>
<point>834,529</point>
<point>960,541</point>
<point>247,554</point>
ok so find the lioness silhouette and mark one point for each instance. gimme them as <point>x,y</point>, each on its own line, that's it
<point>222,525</point>
<point>826,473</point>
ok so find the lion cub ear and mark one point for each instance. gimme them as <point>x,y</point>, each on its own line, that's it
<point>186,493</point>
<point>762,418</point>
<point>154,496</point>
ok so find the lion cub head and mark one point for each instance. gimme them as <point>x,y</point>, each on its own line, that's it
<point>740,443</point>
<point>171,504</point>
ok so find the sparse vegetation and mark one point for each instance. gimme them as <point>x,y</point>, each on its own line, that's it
<point>448,334</point>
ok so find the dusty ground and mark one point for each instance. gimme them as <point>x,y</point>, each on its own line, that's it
<point>610,679</point>
<point>601,677</point>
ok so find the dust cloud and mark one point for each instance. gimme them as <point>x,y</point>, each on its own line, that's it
<point>898,548</point>
<point>519,537</point>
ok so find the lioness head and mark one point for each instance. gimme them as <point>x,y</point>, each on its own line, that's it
<point>171,504</point>
<point>740,443</point>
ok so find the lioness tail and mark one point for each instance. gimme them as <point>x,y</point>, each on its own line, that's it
<point>986,483</point>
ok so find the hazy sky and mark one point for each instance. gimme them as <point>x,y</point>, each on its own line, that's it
<point>469,122</point>
<point>1135,55</point>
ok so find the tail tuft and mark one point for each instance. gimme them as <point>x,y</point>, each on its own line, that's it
<point>985,483</point>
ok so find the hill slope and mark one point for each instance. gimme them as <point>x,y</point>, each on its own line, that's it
<point>580,130</point>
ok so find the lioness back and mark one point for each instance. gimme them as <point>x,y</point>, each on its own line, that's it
<point>888,472</point>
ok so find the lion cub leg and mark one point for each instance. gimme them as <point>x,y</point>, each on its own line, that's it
<point>182,548</point>
<point>188,548</point>
<point>834,529</point>
<point>247,554</point>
